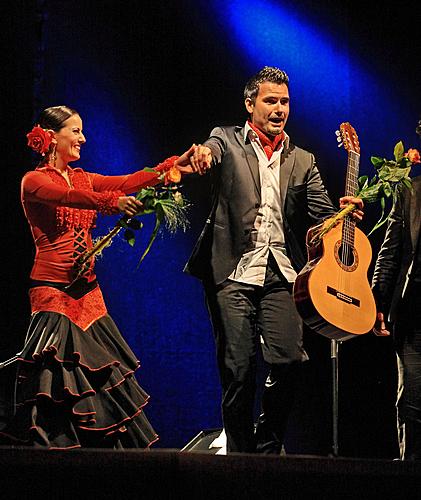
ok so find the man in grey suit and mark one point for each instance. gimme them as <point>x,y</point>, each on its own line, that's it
<point>266,194</point>
<point>397,289</point>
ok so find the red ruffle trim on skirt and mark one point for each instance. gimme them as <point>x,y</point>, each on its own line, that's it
<point>77,388</point>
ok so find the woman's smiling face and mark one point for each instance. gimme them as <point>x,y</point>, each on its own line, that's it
<point>70,139</point>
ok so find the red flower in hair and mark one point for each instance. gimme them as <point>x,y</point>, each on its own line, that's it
<point>39,139</point>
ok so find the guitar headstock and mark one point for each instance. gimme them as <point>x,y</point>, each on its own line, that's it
<point>348,138</point>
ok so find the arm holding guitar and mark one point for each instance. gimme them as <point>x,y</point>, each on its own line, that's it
<point>357,210</point>
<point>350,206</point>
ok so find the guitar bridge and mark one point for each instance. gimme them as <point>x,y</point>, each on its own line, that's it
<point>343,296</point>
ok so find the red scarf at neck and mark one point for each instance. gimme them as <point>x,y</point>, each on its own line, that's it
<point>269,145</point>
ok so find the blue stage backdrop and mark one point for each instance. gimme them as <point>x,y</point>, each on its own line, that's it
<point>148,81</point>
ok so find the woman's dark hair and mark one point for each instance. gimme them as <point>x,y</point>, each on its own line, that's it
<point>54,117</point>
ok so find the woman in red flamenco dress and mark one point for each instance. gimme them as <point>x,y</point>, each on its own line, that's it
<point>75,384</point>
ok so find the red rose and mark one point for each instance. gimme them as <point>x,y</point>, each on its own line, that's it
<point>39,139</point>
<point>413,155</point>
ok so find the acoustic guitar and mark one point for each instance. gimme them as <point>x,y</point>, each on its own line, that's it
<point>332,293</point>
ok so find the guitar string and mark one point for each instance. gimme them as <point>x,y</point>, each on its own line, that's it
<point>348,227</point>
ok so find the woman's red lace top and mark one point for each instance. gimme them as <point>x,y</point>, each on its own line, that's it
<point>61,217</point>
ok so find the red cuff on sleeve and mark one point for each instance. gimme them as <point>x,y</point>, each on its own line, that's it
<point>166,164</point>
<point>108,202</point>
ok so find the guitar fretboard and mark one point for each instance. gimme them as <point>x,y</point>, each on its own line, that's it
<point>351,186</point>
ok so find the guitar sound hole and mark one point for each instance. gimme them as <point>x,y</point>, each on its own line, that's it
<point>346,255</point>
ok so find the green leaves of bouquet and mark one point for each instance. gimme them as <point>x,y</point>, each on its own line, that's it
<point>169,207</point>
<point>390,177</point>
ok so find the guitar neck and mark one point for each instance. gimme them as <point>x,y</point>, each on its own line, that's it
<point>351,187</point>
<point>352,171</point>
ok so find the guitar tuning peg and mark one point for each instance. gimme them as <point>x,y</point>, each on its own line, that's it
<point>337,133</point>
<point>340,144</point>
<point>339,139</point>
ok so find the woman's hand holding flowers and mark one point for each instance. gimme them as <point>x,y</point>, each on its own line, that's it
<point>129,205</point>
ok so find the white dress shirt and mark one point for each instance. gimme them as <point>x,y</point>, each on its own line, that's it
<point>268,231</point>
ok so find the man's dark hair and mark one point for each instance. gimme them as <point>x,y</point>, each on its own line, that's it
<point>266,74</point>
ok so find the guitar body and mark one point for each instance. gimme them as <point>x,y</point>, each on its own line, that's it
<point>332,292</point>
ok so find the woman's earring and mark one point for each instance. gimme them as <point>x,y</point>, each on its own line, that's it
<point>53,155</point>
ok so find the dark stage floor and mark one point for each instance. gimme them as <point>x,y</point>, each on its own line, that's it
<point>175,474</point>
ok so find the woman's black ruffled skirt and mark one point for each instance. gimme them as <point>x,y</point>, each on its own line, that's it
<point>77,388</point>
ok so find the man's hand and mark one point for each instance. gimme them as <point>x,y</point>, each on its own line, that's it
<point>129,205</point>
<point>358,213</point>
<point>197,159</point>
<point>201,159</point>
<point>379,327</point>
<point>183,162</point>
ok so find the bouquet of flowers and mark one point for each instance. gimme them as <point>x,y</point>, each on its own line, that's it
<point>169,207</point>
<point>390,177</point>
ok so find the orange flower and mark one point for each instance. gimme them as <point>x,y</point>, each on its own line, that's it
<point>39,139</point>
<point>172,175</point>
<point>413,155</point>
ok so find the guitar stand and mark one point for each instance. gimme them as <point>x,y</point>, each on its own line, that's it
<point>334,349</point>
<point>10,361</point>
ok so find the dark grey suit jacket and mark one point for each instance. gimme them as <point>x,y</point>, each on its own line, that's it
<point>236,200</point>
<point>391,275</point>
